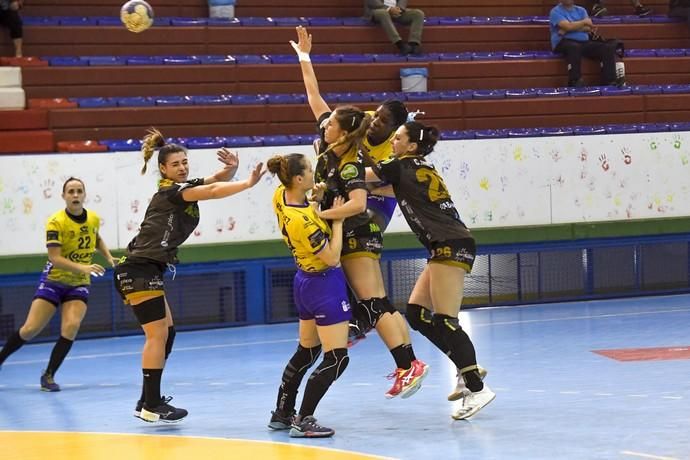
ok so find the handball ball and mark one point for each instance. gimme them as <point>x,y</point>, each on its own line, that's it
<point>136,15</point>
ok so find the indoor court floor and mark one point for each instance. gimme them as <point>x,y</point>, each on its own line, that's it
<point>605,379</point>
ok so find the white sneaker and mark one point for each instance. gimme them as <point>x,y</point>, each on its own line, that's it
<point>460,387</point>
<point>474,402</point>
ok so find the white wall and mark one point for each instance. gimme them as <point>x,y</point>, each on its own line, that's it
<point>494,183</point>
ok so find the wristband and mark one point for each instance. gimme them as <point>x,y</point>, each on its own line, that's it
<point>303,57</point>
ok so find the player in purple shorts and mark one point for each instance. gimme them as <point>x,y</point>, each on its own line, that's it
<point>71,238</point>
<point>320,295</point>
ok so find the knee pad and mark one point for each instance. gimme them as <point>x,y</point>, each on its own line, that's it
<point>333,365</point>
<point>445,324</point>
<point>170,341</point>
<point>150,310</point>
<point>370,310</point>
<point>420,318</point>
<point>304,358</point>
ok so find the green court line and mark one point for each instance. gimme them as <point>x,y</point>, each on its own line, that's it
<point>505,235</point>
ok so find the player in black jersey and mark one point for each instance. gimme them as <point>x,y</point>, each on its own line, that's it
<point>428,209</point>
<point>341,169</point>
<point>172,215</point>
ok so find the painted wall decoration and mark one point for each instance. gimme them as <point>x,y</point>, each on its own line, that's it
<point>494,183</point>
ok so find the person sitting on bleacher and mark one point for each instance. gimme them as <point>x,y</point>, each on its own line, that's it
<point>388,12</point>
<point>679,9</point>
<point>599,9</point>
<point>570,36</point>
<point>9,17</point>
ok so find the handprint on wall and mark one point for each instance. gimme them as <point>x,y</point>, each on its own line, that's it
<point>231,224</point>
<point>7,206</point>
<point>627,156</point>
<point>134,206</point>
<point>47,187</point>
<point>604,162</point>
<point>28,205</point>
<point>219,225</point>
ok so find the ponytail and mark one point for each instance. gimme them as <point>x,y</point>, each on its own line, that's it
<point>152,140</point>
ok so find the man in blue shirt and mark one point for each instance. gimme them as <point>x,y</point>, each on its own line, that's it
<point>570,28</point>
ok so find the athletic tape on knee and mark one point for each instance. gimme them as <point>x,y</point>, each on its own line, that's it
<point>170,341</point>
<point>150,310</point>
<point>420,318</point>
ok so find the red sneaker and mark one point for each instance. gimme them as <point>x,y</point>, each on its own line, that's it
<point>407,381</point>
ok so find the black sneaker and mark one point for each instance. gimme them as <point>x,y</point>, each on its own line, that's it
<point>140,404</point>
<point>308,428</point>
<point>48,383</point>
<point>163,412</point>
<point>642,10</point>
<point>403,48</point>
<point>416,49</point>
<point>598,11</point>
<point>279,421</point>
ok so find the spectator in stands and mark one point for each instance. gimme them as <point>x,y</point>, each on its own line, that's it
<point>599,9</point>
<point>570,35</point>
<point>72,237</point>
<point>320,293</point>
<point>435,301</point>
<point>679,9</point>
<point>340,168</point>
<point>389,12</point>
<point>10,18</point>
<point>171,216</point>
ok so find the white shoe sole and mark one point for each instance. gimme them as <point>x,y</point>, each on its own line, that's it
<point>462,415</point>
<point>152,417</point>
<point>412,390</point>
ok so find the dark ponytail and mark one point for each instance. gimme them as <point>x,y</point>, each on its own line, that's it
<point>425,137</point>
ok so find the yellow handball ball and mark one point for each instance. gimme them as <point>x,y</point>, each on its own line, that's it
<point>136,15</point>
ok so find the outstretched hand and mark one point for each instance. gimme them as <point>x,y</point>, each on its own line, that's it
<point>303,44</point>
<point>231,162</point>
<point>256,175</point>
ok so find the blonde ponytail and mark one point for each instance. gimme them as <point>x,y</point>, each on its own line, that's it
<point>151,141</point>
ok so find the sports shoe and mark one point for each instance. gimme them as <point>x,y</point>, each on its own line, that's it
<point>474,402</point>
<point>308,428</point>
<point>140,404</point>
<point>460,387</point>
<point>279,421</point>
<point>48,383</point>
<point>407,380</point>
<point>356,332</point>
<point>598,11</point>
<point>642,10</point>
<point>163,412</point>
<point>425,368</point>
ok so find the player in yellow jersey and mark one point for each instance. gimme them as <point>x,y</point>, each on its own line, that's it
<point>320,293</point>
<point>340,167</point>
<point>71,238</point>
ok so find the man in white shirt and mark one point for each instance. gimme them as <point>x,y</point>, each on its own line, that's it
<point>389,12</point>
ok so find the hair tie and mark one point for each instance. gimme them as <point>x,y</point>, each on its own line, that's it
<point>354,118</point>
<point>421,134</point>
<point>412,115</point>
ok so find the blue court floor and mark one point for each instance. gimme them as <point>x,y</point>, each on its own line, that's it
<point>556,398</point>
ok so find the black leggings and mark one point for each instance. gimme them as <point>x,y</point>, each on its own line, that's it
<point>12,20</point>
<point>574,50</point>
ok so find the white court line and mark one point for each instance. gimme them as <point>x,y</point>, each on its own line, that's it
<point>637,396</point>
<point>138,352</point>
<point>672,397</point>
<point>536,391</point>
<point>603,394</point>
<point>218,384</point>
<point>569,392</point>
<point>270,342</point>
<point>643,455</point>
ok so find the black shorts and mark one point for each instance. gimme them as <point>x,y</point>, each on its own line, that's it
<point>138,279</point>
<point>459,253</point>
<point>363,241</point>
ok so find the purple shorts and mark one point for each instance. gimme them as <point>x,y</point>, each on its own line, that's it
<point>322,296</point>
<point>57,293</point>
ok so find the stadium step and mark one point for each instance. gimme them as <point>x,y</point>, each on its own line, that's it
<point>33,141</point>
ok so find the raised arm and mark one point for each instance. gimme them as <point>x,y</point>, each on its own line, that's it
<point>223,189</point>
<point>311,84</point>
<point>230,162</point>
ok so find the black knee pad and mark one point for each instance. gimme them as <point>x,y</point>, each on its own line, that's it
<point>303,359</point>
<point>370,310</point>
<point>150,310</point>
<point>444,324</point>
<point>333,365</point>
<point>420,318</point>
<point>170,341</point>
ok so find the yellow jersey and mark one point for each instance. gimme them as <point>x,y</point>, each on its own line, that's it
<point>380,152</point>
<point>77,241</point>
<point>304,232</point>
